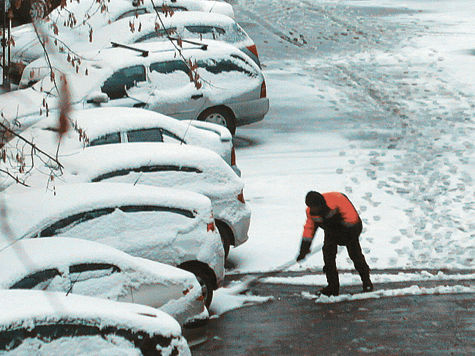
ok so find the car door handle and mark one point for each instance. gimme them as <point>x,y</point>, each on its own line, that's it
<point>139,105</point>
<point>197,96</point>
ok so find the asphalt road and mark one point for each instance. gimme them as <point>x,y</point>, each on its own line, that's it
<point>301,34</point>
<point>292,325</point>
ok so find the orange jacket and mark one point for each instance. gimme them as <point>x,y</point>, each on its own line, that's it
<point>342,212</point>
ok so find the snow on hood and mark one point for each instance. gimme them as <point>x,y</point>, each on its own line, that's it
<point>25,308</point>
<point>33,255</point>
<point>27,212</point>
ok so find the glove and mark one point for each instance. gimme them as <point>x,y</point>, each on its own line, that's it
<point>304,249</point>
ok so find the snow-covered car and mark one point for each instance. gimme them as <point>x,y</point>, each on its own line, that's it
<point>100,126</point>
<point>166,225</point>
<point>163,165</point>
<point>189,25</point>
<point>230,90</point>
<point>49,323</point>
<point>184,167</point>
<point>79,21</point>
<point>89,268</point>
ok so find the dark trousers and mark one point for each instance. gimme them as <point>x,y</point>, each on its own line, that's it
<point>343,236</point>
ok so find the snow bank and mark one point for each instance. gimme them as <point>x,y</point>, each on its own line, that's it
<point>347,279</point>
<point>229,298</point>
<point>412,290</point>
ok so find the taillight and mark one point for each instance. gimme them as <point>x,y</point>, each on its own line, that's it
<point>233,157</point>
<point>210,226</point>
<point>240,197</point>
<point>263,89</point>
<point>253,49</point>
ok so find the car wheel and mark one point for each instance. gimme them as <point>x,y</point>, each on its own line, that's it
<point>205,281</point>
<point>226,236</point>
<point>221,117</point>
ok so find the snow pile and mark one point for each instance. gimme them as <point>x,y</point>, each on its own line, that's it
<point>412,290</point>
<point>347,279</point>
<point>229,298</point>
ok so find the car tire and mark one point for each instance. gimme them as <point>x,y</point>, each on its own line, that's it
<point>221,116</point>
<point>226,236</point>
<point>205,281</point>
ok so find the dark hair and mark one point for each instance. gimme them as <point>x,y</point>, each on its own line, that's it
<point>315,199</point>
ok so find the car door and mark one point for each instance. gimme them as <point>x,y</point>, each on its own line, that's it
<point>127,80</point>
<point>172,91</point>
<point>95,279</point>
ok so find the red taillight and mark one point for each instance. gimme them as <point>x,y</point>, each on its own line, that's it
<point>263,89</point>
<point>233,157</point>
<point>240,197</point>
<point>210,227</point>
<point>253,49</point>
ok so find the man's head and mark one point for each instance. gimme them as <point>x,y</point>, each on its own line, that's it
<point>316,203</point>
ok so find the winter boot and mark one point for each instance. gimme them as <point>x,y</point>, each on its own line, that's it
<point>367,285</point>
<point>329,291</point>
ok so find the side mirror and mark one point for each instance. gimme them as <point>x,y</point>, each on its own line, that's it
<point>98,97</point>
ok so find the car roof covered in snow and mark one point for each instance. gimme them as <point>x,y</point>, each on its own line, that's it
<point>32,255</point>
<point>28,212</point>
<point>26,308</point>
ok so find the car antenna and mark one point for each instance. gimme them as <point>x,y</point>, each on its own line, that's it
<point>203,46</point>
<point>144,52</point>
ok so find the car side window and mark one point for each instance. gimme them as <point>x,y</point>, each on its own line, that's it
<point>148,208</point>
<point>132,13</point>
<point>115,86</point>
<point>159,33</point>
<point>169,137</point>
<point>67,223</point>
<point>171,7</point>
<point>97,279</point>
<point>169,75</point>
<point>145,169</point>
<point>38,280</point>
<point>106,139</point>
<point>209,32</point>
<point>145,135</point>
<point>169,67</point>
<point>223,65</point>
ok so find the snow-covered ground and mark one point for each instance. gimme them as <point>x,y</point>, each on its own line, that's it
<point>374,99</point>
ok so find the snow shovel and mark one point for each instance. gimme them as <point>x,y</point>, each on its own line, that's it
<point>251,281</point>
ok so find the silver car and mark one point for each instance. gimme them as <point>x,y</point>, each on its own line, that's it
<point>230,91</point>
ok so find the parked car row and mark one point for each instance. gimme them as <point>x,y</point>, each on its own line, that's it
<point>141,200</point>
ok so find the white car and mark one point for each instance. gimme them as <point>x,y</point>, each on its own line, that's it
<point>163,165</point>
<point>189,25</point>
<point>102,126</point>
<point>167,225</point>
<point>88,18</point>
<point>230,91</point>
<point>48,323</point>
<point>84,267</point>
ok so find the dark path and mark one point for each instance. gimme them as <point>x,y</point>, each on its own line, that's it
<point>292,325</point>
